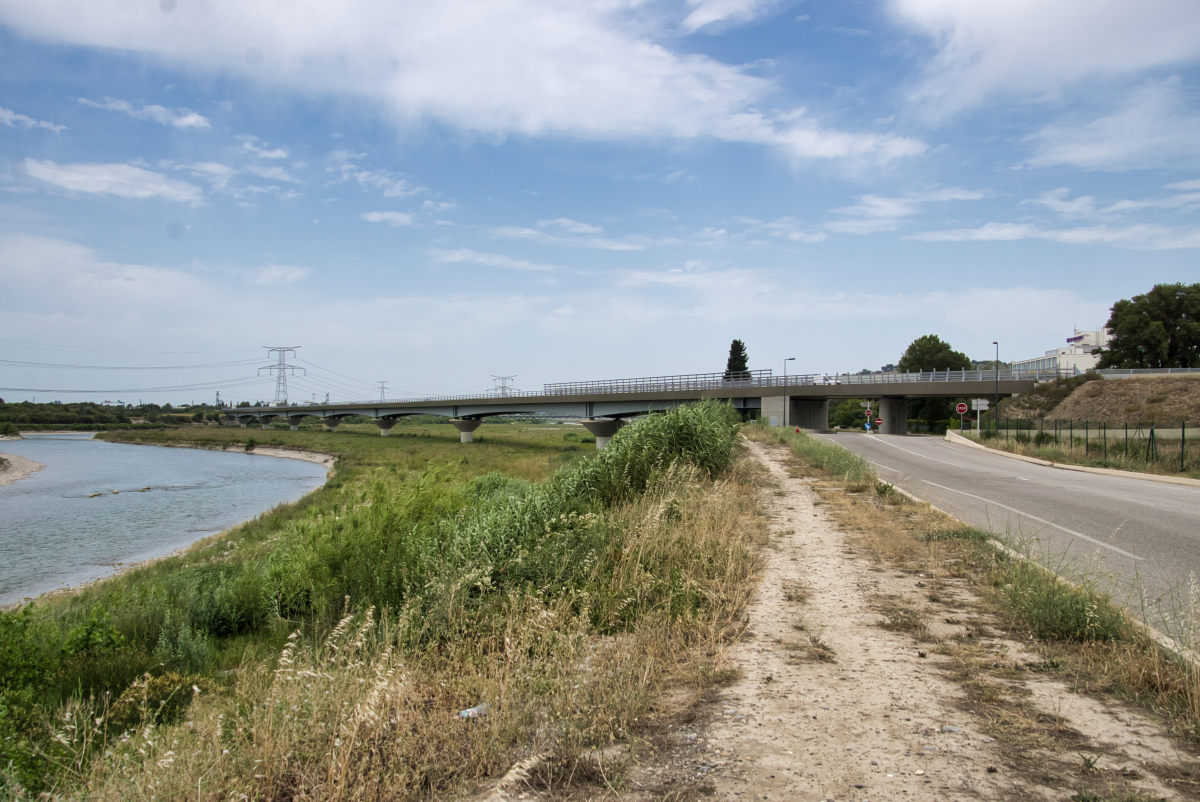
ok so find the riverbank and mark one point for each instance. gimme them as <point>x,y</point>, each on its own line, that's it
<point>323,458</point>
<point>14,468</point>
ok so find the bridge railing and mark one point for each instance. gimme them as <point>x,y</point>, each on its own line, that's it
<point>718,381</point>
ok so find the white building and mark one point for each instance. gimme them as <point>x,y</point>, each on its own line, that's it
<point>1076,358</point>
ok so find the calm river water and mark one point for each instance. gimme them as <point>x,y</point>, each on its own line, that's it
<point>55,530</point>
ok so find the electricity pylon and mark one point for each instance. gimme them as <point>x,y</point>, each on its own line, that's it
<point>280,368</point>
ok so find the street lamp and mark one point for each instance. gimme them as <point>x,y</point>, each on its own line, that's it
<point>996,404</point>
<point>786,403</point>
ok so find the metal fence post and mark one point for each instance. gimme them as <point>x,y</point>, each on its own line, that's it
<point>1087,440</point>
<point>1182,446</point>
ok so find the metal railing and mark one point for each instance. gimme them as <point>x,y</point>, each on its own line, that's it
<point>655,384</point>
<point>713,381</point>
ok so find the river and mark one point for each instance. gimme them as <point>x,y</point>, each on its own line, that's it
<point>98,506</point>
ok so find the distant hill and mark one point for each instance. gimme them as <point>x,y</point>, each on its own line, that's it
<point>1146,399</point>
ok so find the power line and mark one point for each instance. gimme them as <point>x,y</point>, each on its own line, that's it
<point>52,347</point>
<point>56,365</point>
<point>244,381</point>
<point>382,390</point>
<point>502,383</point>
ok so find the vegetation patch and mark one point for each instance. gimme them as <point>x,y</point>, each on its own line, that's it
<point>402,633</point>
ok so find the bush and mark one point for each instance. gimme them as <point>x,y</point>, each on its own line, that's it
<point>1044,439</point>
<point>251,443</point>
<point>8,428</point>
<point>156,700</point>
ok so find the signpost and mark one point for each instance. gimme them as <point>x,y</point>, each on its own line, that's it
<point>979,405</point>
<point>961,409</point>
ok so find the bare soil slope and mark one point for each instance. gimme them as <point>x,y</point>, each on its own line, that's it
<point>1151,399</point>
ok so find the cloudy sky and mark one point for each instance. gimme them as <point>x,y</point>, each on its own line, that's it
<point>432,193</point>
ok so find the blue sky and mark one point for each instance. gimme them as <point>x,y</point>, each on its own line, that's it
<point>429,194</point>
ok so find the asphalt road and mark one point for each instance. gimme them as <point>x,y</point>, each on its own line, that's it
<point>1140,538</point>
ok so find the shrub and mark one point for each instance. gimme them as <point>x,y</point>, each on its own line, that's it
<point>1044,439</point>
<point>156,700</point>
<point>251,443</point>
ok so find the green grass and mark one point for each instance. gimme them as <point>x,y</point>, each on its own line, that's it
<point>829,458</point>
<point>1065,450</point>
<point>439,533</point>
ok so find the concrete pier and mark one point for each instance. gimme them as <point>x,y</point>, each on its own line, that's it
<point>385,425</point>
<point>331,424</point>
<point>466,428</point>
<point>603,429</point>
<point>894,412</point>
<point>294,425</point>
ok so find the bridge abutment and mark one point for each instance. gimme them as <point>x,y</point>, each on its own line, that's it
<point>809,413</point>
<point>466,428</point>
<point>385,425</point>
<point>603,429</point>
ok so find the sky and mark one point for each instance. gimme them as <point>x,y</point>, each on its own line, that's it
<point>433,194</point>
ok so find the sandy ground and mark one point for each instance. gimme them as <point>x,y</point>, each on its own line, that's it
<point>18,468</point>
<point>844,709</point>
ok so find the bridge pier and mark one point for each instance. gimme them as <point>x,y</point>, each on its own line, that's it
<point>385,425</point>
<point>466,428</point>
<point>331,424</point>
<point>294,425</point>
<point>603,429</point>
<point>894,412</point>
<point>243,423</point>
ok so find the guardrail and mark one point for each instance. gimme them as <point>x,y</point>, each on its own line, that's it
<point>716,381</point>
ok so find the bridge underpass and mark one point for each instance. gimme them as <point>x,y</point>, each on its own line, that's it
<point>603,406</point>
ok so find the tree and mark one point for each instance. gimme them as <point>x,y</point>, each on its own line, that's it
<point>737,366</point>
<point>1160,329</point>
<point>931,353</point>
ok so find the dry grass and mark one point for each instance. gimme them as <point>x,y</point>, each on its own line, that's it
<point>946,554</point>
<point>1162,399</point>
<point>361,716</point>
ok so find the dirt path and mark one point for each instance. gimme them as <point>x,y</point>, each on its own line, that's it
<point>831,705</point>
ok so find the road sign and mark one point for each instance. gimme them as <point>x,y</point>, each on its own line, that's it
<point>980,404</point>
<point>866,404</point>
<point>879,421</point>
<point>961,409</point>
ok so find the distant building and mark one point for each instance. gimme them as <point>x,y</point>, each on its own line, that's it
<point>1076,358</point>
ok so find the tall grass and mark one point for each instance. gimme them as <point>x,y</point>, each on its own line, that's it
<point>829,458</point>
<point>485,590</point>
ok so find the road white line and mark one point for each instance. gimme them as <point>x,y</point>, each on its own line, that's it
<point>1071,532</point>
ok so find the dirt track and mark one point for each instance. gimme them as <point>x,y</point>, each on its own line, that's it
<point>831,705</point>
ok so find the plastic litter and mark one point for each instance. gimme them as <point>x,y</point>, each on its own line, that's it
<point>474,712</point>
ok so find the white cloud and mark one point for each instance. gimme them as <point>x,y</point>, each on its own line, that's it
<point>1086,206</point>
<point>707,12</point>
<point>438,206</point>
<point>524,67</point>
<point>272,172</point>
<point>1155,128</point>
<point>1036,49</point>
<point>533,235</point>
<point>215,173</point>
<point>250,145</point>
<point>122,180</point>
<point>393,219</point>
<point>877,213</point>
<point>179,118</point>
<point>489,259</point>
<point>393,185</point>
<point>14,120</point>
<point>1140,237</point>
<point>574,226</point>
<point>273,274</point>
<point>1193,184</point>
<point>788,228</point>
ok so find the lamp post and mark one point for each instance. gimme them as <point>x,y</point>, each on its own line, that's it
<point>996,404</point>
<point>785,395</point>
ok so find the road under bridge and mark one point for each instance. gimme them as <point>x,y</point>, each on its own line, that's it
<point>603,406</point>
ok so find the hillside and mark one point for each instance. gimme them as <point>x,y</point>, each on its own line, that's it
<point>1157,399</point>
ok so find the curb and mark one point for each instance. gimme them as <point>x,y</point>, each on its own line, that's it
<point>958,439</point>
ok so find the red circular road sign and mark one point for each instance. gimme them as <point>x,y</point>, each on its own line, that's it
<point>879,421</point>
<point>961,409</point>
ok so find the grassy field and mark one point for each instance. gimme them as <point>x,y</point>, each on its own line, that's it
<point>327,648</point>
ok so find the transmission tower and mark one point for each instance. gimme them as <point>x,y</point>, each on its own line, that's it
<point>502,383</point>
<point>382,390</point>
<point>280,368</point>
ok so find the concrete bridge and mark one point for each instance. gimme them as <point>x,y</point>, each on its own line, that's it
<point>603,406</point>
